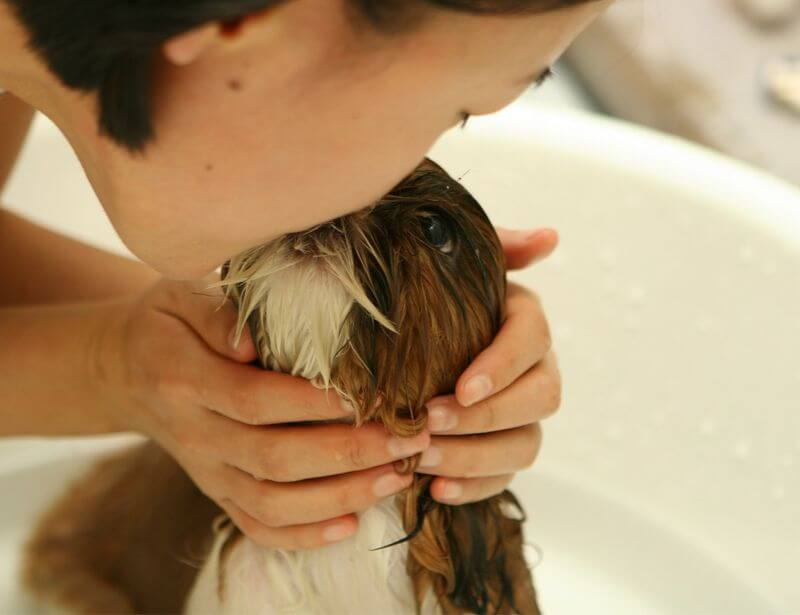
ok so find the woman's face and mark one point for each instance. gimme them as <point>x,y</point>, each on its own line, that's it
<point>299,117</point>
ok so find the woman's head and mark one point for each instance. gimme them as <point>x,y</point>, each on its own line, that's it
<point>223,124</point>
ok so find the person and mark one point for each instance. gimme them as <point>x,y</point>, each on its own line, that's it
<point>209,127</point>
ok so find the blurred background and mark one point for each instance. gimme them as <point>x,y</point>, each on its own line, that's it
<point>722,73</point>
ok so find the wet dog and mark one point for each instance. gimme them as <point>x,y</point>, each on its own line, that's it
<point>386,307</point>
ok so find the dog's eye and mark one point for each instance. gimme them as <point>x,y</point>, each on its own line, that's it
<point>437,234</point>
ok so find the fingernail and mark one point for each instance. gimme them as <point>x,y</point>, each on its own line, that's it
<point>338,531</point>
<point>431,458</point>
<point>477,389</point>
<point>451,491</point>
<point>389,484</point>
<point>404,447</point>
<point>441,419</point>
<point>530,235</point>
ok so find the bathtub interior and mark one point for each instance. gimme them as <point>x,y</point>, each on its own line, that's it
<point>668,481</point>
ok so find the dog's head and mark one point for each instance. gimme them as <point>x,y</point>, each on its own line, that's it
<point>387,305</point>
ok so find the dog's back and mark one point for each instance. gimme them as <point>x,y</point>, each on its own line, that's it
<point>128,537</point>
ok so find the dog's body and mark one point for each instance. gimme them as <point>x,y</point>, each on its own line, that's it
<point>386,306</point>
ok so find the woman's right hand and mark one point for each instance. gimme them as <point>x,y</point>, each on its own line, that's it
<point>170,371</point>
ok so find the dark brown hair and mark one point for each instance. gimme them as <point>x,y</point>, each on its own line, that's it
<point>428,259</point>
<point>107,47</point>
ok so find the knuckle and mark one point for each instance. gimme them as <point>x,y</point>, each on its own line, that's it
<point>188,440</point>
<point>260,534</point>
<point>553,392</point>
<point>261,537</point>
<point>311,541</point>
<point>355,451</point>
<point>269,513</point>
<point>173,293</point>
<point>299,539</point>
<point>547,338</point>
<point>245,407</point>
<point>556,398</point>
<point>344,500</point>
<point>268,463</point>
<point>489,415</point>
<point>471,464</point>
<point>531,450</point>
<point>170,384</point>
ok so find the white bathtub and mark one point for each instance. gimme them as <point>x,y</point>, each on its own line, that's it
<point>668,483</point>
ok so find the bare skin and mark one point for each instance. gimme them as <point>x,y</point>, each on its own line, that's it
<point>153,354</point>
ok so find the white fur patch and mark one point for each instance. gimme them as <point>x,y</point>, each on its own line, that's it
<point>344,577</point>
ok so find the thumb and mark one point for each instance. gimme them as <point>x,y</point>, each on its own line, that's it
<point>524,248</point>
<point>210,315</point>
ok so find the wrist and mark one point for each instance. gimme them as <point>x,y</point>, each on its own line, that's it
<point>108,374</point>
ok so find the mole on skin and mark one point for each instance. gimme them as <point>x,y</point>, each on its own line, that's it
<point>235,84</point>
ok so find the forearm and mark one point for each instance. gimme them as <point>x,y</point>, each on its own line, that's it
<point>51,374</point>
<point>38,266</point>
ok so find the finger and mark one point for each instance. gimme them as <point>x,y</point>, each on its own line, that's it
<point>524,248</point>
<point>501,452</point>
<point>293,537</point>
<point>272,452</point>
<point>465,490</point>
<point>329,450</point>
<point>279,505</point>
<point>523,341</point>
<point>534,396</point>
<point>210,316</point>
<point>255,396</point>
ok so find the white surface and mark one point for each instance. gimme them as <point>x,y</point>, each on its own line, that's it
<point>674,300</point>
<point>668,482</point>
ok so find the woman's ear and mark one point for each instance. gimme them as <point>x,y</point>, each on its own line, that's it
<point>185,48</point>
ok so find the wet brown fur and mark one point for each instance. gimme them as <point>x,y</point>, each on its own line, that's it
<point>120,533</point>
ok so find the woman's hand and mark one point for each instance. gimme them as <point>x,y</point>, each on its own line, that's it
<point>502,395</point>
<point>170,370</point>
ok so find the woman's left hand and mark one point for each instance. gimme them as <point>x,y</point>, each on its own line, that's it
<point>490,428</point>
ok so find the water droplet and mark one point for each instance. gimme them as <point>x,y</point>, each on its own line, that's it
<point>607,257</point>
<point>742,449</point>
<point>746,254</point>
<point>609,284</point>
<point>619,397</point>
<point>708,426</point>
<point>632,322</point>
<point>703,324</point>
<point>659,418</point>
<point>637,294</point>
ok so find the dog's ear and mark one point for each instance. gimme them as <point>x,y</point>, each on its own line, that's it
<point>470,556</point>
<point>389,374</point>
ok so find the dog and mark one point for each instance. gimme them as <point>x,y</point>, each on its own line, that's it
<point>385,306</point>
